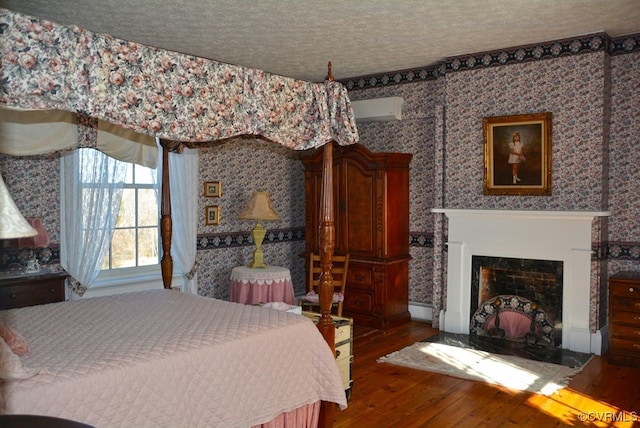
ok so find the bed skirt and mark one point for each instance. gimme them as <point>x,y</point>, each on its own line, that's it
<point>302,417</point>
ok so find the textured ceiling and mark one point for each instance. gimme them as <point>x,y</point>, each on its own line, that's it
<point>297,38</point>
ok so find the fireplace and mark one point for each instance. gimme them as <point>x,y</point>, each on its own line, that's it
<point>528,293</point>
<point>560,236</point>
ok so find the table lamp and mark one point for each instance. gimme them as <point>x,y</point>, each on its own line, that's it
<point>12,224</point>
<point>260,209</point>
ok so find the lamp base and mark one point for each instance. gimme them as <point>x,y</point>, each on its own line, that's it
<point>258,233</point>
<point>258,261</point>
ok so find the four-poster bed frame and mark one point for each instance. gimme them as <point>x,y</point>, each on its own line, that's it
<point>259,93</point>
<point>326,238</point>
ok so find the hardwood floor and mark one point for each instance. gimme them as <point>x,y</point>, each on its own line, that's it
<point>385,395</point>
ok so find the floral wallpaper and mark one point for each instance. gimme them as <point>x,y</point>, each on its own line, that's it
<point>34,184</point>
<point>572,88</point>
<point>413,134</point>
<point>583,83</point>
<point>243,167</point>
<point>591,88</point>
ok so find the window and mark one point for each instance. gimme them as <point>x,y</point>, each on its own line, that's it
<point>135,240</point>
<point>109,223</point>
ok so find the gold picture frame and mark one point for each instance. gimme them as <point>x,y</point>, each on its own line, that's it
<point>517,154</point>
<point>212,215</point>
<point>212,189</point>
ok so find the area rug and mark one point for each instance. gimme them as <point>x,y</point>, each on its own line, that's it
<point>504,370</point>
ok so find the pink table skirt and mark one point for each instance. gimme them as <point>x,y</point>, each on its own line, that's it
<point>252,286</point>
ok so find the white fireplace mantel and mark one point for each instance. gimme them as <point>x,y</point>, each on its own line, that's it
<point>527,234</point>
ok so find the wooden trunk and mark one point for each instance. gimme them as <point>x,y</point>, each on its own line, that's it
<point>371,217</point>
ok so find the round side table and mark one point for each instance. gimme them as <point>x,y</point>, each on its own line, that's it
<point>261,285</point>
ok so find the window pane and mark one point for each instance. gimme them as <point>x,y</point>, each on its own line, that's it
<point>123,248</point>
<point>147,247</point>
<point>136,237</point>
<point>147,208</point>
<point>127,216</point>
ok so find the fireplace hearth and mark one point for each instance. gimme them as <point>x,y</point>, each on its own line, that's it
<point>547,354</point>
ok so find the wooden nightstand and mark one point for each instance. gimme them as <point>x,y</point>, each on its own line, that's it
<point>344,347</point>
<point>624,319</point>
<point>21,290</point>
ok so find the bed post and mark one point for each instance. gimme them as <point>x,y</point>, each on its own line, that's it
<point>166,263</point>
<point>326,245</point>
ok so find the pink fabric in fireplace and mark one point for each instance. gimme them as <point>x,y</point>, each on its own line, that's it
<point>514,323</point>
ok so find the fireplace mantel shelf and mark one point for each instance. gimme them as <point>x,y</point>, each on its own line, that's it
<point>520,213</point>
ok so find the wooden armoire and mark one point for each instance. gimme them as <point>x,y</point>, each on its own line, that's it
<point>371,216</point>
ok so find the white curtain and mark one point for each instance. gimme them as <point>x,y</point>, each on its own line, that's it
<point>183,173</point>
<point>88,212</point>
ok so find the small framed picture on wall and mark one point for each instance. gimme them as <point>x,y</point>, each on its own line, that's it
<point>517,154</point>
<point>212,215</point>
<point>212,189</point>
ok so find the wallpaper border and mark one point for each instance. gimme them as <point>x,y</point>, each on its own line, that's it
<point>17,258</point>
<point>589,43</point>
<point>211,241</point>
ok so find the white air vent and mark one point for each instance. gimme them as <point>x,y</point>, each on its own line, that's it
<point>378,110</point>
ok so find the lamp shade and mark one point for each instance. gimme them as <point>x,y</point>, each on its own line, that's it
<point>12,224</point>
<point>259,208</point>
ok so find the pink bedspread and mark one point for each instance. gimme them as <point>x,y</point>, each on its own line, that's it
<point>165,358</point>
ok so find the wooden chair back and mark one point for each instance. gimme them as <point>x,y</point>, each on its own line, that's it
<point>339,266</point>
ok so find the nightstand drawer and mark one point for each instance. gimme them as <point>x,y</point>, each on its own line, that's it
<point>32,290</point>
<point>17,296</point>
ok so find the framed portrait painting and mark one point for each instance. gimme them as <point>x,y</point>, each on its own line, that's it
<point>517,154</point>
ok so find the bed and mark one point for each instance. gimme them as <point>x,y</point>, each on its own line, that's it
<point>191,102</point>
<point>165,358</point>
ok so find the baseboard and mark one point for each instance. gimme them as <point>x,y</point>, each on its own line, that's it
<point>421,311</point>
<point>600,341</point>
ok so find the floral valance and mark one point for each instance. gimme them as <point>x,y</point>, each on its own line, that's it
<point>162,93</point>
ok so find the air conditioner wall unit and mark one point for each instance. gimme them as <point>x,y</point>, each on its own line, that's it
<point>378,109</point>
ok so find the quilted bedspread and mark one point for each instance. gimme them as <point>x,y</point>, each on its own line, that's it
<point>165,358</point>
